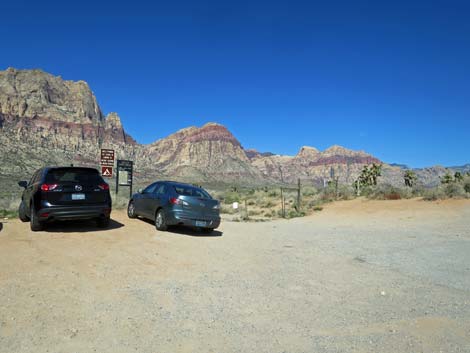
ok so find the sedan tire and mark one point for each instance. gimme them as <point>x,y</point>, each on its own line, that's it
<point>131,210</point>
<point>160,221</point>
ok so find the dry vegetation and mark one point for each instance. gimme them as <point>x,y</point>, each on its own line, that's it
<point>264,203</point>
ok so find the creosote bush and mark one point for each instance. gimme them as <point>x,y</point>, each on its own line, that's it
<point>231,197</point>
<point>389,192</point>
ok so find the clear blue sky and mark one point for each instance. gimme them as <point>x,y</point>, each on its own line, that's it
<point>391,78</point>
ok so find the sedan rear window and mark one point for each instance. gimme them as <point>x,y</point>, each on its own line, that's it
<point>191,191</point>
<point>73,175</point>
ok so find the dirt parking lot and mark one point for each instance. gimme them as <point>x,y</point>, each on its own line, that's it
<point>360,276</point>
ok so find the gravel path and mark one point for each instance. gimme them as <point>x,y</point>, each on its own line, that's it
<point>360,276</point>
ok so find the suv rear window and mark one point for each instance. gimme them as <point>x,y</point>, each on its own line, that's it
<point>191,191</point>
<point>73,175</point>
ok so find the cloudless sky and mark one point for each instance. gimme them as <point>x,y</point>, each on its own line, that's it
<point>388,77</point>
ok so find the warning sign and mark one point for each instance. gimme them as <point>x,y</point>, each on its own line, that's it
<point>107,172</point>
<point>107,157</point>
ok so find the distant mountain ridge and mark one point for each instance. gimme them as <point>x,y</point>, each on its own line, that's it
<point>47,120</point>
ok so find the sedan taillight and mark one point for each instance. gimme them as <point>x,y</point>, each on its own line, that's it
<point>176,201</point>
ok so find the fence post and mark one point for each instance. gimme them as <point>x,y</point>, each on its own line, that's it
<point>336,188</point>
<point>298,195</point>
<point>246,210</point>
<point>282,205</point>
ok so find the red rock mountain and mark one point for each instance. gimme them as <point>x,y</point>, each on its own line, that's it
<point>47,120</point>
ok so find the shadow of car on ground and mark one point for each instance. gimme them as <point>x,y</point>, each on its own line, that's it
<point>183,230</point>
<point>79,226</point>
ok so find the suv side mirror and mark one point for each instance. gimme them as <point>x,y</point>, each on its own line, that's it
<point>140,191</point>
<point>23,184</point>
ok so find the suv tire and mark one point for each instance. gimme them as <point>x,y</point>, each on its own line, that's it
<point>22,213</point>
<point>34,222</point>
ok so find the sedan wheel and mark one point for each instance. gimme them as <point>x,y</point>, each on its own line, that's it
<point>160,222</point>
<point>131,210</point>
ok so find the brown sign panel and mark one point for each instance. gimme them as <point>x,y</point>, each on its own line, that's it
<point>107,157</point>
<point>107,172</point>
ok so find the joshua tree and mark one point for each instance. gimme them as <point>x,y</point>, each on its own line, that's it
<point>458,177</point>
<point>410,178</point>
<point>368,177</point>
<point>375,171</point>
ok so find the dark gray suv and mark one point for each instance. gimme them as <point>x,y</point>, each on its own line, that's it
<point>171,203</point>
<point>65,193</point>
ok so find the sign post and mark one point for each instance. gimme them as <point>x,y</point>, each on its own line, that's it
<point>107,163</point>
<point>124,170</point>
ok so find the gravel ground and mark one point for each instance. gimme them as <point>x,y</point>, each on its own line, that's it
<point>360,276</point>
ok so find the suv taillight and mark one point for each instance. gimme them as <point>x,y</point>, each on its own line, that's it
<point>48,187</point>
<point>104,186</point>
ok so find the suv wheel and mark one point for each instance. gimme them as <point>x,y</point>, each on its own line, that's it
<point>160,222</point>
<point>35,224</point>
<point>22,213</point>
<point>131,210</point>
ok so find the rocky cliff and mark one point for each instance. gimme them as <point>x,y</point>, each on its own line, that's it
<point>45,120</point>
<point>310,164</point>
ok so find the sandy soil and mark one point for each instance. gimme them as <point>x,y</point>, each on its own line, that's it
<point>360,276</point>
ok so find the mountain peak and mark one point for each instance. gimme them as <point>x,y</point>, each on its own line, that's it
<point>307,151</point>
<point>113,120</point>
<point>337,149</point>
<point>35,93</point>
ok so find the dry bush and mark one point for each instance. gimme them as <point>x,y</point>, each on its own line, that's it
<point>434,194</point>
<point>455,190</point>
<point>389,192</point>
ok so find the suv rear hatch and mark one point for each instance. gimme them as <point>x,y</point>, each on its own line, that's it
<point>75,186</point>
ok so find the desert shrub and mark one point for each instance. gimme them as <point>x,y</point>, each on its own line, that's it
<point>418,190</point>
<point>251,202</point>
<point>254,212</point>
<point>389,192</point>
<point>9,203</point>
<point>231,197</point>
<point>346,192</point>
<point>308,191</point>
<point>327,195</point>
<point>8,213</point>
<point>273,193</point>
<point>266,204</point>
<point>466,185</point>
<point>454,190</point>
<point>434,194</point>
<point>294,213</point>
<point>317,208</point>
<point>227,209</point>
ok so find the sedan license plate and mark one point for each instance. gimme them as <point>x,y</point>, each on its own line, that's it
<point>201,224</point>
<point>78,196</point>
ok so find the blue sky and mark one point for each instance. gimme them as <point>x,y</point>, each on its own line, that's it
<point>391,78</point>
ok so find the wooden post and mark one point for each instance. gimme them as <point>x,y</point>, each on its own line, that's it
<point>246,210</point>
<point>336,187</point>
<point>298,195</point>
<point>282,205</point>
